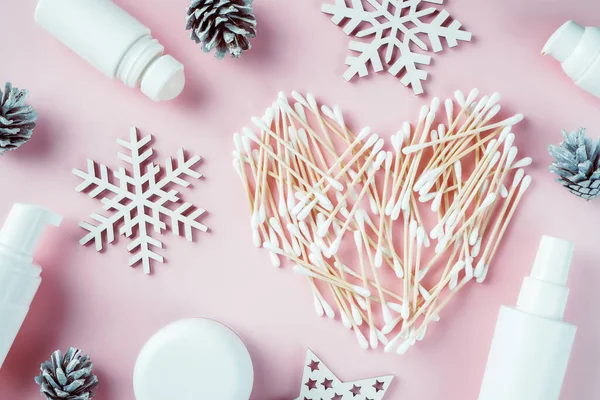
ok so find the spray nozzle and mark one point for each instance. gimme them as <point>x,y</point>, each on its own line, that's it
<point>24,226</point>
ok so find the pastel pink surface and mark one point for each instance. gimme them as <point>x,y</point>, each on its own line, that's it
<point>94,301</point>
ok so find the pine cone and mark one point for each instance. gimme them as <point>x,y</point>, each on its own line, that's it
<point>67,378</point>
<point>577,164</point>
<point>17,120</point>
<point>226,25</point>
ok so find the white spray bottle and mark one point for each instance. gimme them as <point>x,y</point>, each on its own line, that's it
<point>532,343</point>
<point>19,276</point>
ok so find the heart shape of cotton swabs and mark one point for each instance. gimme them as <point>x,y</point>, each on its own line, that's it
<point>452,179</point>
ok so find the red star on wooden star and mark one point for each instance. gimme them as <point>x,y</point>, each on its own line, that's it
<point>378,386</point>
<point>314,365</point>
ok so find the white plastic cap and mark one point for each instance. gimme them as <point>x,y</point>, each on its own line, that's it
<point>194,359</point>
<point>164,79</point>
<point>24,226</point>
<point>553,261</point>
<point>562,43</point>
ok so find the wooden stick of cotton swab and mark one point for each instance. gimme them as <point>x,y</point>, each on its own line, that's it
<point>336,243</point>
<point>387,316</point>
<point>372,331</point>
<point>483,265</point>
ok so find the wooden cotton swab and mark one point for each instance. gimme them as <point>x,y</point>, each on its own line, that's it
<point>372,334</point>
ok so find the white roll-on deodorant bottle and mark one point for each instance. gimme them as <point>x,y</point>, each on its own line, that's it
<point>532,344</point>
<point>114,42</point>
<point>577,48</point>
<point>19,276</point>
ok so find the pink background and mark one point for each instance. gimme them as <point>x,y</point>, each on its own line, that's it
<point>96,302</point>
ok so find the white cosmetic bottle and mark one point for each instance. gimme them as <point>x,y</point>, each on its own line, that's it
<point>577,48</point>
<point>532,344</point>
<point>19,277</point>
<point>115,43</point>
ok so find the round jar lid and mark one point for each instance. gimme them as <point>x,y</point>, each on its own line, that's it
<point>193,359</point>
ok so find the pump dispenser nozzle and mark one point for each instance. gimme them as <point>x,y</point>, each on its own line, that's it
<point>24,226</point>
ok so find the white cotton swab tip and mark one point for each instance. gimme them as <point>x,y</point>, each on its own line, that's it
<point>323,229</point>
<point>515,119</point>
<point>256,238</point>
<point>403,348</point>
<point>525,184</point>
<point>371,141</point>
<point>378,145</point>
<point>250,134</point>
<point>472,96</point>
<point>303,271</point>
<point>378,258</point>
<point>373,341</point>
<point>362,341</point>
<point>473,236</point>
<point>517,178</point>
<point>489,199</point>
<point>335,245</point>
<point>346,321</point>
<point>479,269</point>
<point>328,310</point>
<point>356,315</point>
<point>364,132</point>
<point>512,154</point>
<point>387,316</point>
<point>318,306</point>
<point>275,260</point>
<point>469,272</point>
<point>364,292</point>
<point>394,307</point>
<point>524,162</point>
<point>390,327</point>
<point>398,269</point>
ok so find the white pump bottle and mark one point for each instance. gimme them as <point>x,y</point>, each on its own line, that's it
<point>116,43</point>
<point>577,48</point>
<point>532,344</point>
<point>19,276</point>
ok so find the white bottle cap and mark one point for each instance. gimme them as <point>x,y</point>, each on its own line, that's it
<point>193,359</point>
<point>24,227</point>
<point>562,43</point>
<point>553,261</point>
<point>164,79</point>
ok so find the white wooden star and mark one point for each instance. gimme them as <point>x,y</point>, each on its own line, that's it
<point>319,383</point>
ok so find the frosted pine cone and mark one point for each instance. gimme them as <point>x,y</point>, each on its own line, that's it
<point>577,164</point>
<point>17,120</point>
<point>67,378</point>
<point>224,25</point>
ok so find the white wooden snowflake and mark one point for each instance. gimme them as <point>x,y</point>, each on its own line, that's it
<point>140,199</point>
<point>391,26</point>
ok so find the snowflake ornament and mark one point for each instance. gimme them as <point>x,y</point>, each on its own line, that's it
<point>140,200</point>
<point>390,27</point>
<point>319,383</point>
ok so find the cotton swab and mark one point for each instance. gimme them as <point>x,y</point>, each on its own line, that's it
<point>304,150</point>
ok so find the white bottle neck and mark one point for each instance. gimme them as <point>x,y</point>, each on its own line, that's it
<point>137,59</point>
<point>542,298</point>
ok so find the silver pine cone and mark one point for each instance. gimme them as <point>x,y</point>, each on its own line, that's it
<point>67,377</point>
<point>17,120</point>
<point>577,164</point>
<point>224,25</point>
